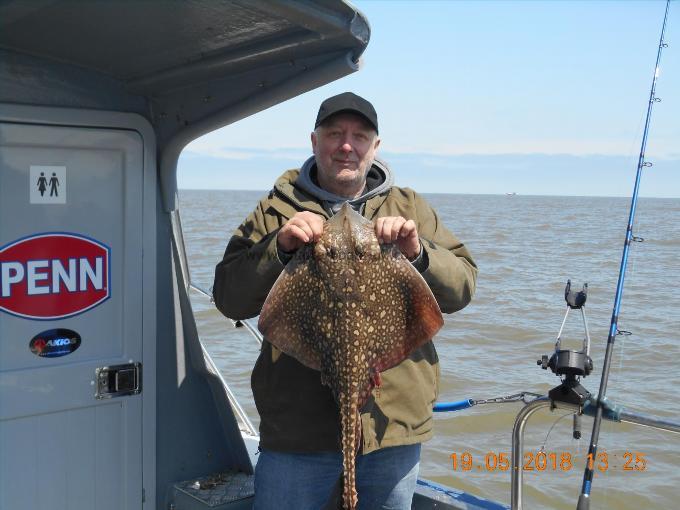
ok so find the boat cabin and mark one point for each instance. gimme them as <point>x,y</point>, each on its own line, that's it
<point>107,398</point>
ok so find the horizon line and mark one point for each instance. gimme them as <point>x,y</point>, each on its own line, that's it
<point>256,151</point>
<point>508,194</point>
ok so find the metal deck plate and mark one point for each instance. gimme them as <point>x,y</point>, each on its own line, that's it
<point>219,489</point>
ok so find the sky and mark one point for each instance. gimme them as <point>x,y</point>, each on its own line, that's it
<point>487,97</point>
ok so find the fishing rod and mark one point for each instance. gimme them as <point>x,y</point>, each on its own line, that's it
<point>584,497</point>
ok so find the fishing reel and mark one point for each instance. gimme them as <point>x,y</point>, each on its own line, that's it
<point>570,364</point>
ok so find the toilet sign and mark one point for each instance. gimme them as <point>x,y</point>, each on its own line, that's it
<point>53,275</point>
<point>47,184</point>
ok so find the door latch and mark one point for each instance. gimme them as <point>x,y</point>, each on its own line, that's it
<point>118,380</point>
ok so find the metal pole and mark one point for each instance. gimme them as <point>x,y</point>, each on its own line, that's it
<point>614,414</point>
<point>516,475</point>
<point>650,421</point>
<point>584,498</point>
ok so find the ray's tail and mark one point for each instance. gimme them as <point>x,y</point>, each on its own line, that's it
<point>351,437</point>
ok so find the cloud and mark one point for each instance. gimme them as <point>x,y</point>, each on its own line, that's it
<point>245,153</point>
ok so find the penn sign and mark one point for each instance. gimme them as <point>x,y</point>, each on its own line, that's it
<point>53,275</point>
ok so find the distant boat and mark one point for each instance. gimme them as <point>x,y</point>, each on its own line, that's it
<point>511,194</point>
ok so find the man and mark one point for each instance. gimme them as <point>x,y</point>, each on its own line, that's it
<point>300,460</point>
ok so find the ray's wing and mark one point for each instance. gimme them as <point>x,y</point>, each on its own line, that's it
<point>403,312</point>
<point>286,319</point>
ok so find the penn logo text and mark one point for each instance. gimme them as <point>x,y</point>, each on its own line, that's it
<point>53,275</point>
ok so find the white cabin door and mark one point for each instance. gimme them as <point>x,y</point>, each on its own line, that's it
<point>71,388</point>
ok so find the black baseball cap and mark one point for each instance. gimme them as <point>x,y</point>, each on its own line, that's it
<point>347,102</point>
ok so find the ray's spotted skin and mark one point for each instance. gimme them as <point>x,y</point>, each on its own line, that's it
<point>351,308</point>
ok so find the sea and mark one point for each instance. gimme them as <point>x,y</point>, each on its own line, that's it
<point>526,248</point>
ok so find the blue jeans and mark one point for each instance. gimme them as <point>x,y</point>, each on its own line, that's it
<point>386,479</point>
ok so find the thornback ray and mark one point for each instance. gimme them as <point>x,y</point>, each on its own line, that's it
<point>351,308</point>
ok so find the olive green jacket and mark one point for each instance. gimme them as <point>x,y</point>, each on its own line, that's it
<point>298,413</point>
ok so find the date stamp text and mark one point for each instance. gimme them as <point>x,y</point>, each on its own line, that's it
<point>603,462</point>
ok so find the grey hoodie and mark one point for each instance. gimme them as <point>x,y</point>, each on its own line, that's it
<point>378,180</point>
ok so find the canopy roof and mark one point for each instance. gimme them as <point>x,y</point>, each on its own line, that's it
<point>187,66</point>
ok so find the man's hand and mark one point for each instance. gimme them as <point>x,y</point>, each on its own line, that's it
<point>402,232</point>
<point>304,227</point>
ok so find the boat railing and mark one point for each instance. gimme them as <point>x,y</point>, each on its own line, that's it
<point>245,425</point>
<point>244,422</point>
<point>611,413</point>
<point>236,323</point>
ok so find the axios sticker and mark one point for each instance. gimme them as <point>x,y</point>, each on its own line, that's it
<point>54,343</point>
<point>53,275</point>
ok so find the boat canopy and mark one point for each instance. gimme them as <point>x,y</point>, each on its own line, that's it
<point>188,67</point>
